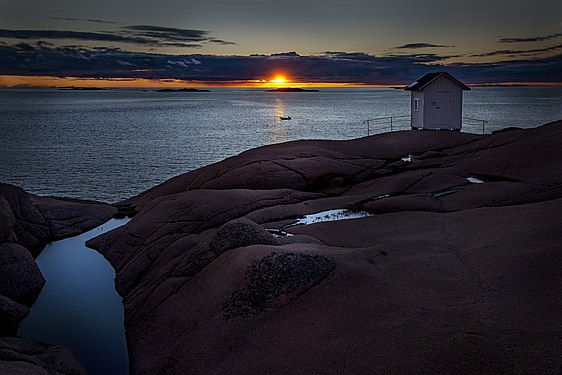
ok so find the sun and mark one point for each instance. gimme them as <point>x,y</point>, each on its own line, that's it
<point>279,79</point>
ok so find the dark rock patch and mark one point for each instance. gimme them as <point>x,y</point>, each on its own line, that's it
<point>275,280</point>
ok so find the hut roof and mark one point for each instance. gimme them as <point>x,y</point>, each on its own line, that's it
<point>424,81</point>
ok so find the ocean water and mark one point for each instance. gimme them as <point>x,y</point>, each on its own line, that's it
<point>110,145</point>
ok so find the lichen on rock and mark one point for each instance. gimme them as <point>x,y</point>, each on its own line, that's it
<point>275,280</point>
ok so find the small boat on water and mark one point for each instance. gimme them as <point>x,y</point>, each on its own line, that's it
<point>285,117</point>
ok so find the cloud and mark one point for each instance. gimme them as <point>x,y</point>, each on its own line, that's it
<point>170,36</point>
<point>530,39</point>
<point>67,35</point>
<point>285,54</point>
<point>518,52</point>
<point>140,34</point>
<point>421,45</point>
<point>80,19</point>
<point>356,56</point>
<point>351,67</point>
<point>423,57</point>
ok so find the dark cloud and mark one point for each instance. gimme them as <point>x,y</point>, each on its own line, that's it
<point>81,19</point>
<point>424,57</point>
<point>68,35</point>
<point>518,52</point>
<point>421,45</point>
<point>143,35</point>
<point>349,55</point>
<point>351,67</point>
<point>286,54</point>
<point>165,36</point>
<point>530,39</point>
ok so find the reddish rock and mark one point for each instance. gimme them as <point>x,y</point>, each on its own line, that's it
<point>448,277</point>
<point>37,220</point>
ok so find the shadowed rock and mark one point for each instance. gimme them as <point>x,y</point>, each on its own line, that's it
<point>20,279</point>
<point>20,357</point>
<point>11,315</point>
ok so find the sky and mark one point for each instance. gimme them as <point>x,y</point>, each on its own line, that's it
<point>252,42</point>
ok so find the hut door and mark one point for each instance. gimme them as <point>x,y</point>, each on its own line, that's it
<point>443,104</point>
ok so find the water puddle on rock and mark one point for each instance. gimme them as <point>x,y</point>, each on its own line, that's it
<point>321,217</point>
<point>331,215</point>
<point>78,306</point>
<point>474,180</point>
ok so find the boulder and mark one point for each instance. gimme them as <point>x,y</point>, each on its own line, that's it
<point>20,278</point>
<point>240,233</point>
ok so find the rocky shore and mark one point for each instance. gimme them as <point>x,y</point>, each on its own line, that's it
<point>454,267</point>
<point>27,224</point>
<point>457,270</point>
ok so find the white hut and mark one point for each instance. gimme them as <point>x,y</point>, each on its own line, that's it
<point>437,102</point>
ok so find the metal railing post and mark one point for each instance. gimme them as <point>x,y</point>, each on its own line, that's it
<point>391,123</point>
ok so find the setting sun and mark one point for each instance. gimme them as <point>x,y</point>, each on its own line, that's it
<point>279,79</point>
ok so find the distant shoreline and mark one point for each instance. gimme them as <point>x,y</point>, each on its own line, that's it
<point>292,89</point>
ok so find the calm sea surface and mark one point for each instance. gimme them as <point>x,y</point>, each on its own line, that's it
<point>110,145</point>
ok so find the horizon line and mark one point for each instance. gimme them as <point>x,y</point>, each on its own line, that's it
<point>22,81</point>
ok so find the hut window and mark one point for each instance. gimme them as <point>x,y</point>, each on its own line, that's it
<point>416,104</point>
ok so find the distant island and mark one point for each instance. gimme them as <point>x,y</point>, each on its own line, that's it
<point>292,89</point>
<point>82,88</point>
<point>182,90</point>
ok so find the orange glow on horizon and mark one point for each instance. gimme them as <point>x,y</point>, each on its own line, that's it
<point>49,81</point>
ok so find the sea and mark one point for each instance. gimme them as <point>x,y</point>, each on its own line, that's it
<point>109,145</point>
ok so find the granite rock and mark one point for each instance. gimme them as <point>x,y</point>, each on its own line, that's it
<point>448,276</point>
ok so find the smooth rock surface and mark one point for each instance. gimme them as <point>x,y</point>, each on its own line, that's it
<point>447,277</point>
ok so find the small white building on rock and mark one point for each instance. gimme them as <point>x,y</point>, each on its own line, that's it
<point>437,102</point>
